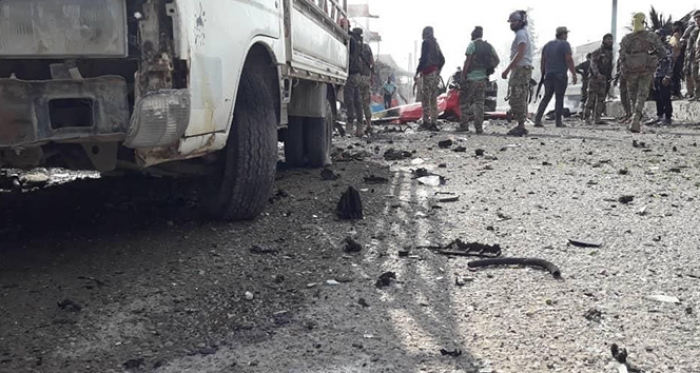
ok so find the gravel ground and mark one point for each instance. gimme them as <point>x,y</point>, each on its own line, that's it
<point>125,274</point>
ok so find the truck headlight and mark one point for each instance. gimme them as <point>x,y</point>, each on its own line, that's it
<point>159,119</point>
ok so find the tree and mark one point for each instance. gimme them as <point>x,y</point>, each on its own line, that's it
<point>534,37</point>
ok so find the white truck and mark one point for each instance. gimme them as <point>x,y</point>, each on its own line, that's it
<point>201,88</point>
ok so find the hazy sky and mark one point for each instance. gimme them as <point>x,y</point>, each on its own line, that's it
<point>401,22</point>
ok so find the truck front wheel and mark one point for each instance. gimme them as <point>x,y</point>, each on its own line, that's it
<point>247,166</point>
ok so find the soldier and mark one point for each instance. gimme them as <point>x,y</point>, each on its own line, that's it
<point>556,60</point>
<point>640,52</point>
<point>584,70</point>
<point>429,69</point>
<point>353,103</point>
<point>366,67</point>
<point>688,41</point>
<point>601,73</point>
<point>479,64</point>
<point>521,68</point>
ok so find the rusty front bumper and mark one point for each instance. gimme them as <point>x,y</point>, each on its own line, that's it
<point>36,112</point>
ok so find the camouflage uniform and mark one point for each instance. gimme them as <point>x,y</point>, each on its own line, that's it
<point>639,67</point>
<point>472,97</point>
<point>353,102</point>
<point>365,84</point>
<point>365,95</point>
<point>601,72</point>
<point>690,66</point>
<point>429,96</point>
<point>518,90</point>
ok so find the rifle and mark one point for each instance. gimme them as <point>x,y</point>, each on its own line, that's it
<point>539,88</point>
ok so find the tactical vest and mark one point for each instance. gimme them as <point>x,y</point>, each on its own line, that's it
<point>638,60</point>
<point>483,57</point>
<point>604,62</point>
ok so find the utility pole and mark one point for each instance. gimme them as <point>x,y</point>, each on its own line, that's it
<point>614,26</point>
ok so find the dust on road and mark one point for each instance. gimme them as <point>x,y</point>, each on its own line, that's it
<point>113,275</point>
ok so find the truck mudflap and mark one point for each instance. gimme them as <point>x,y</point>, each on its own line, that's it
<point>35,112</point>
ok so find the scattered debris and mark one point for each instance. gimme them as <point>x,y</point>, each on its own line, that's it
<point>479,152</point>
<point>638,144</point>
<point>448,199</point>
<point>623,171</point>
<point>535,262</point>
<point>442,165</point>
<point>454,353</point>
<point>675,170</point>
<point>385,279</point>
<point>433,180</point>
<point>642,211</point>
<point>362,302</point>
<point>350,205</point>
<point>372,179</point>
<point>621,356</point>
<point>394,155</point>
<point>206,351</point>
<point>249,295</point>
<point>460,149</point>
<point>332,282</point>
<point>593,314</point>
<point>625,199</point>
<point>444,144</point>
<point>328,175</point>
<point>503,216</point>
<point>664,299</point>
<point>351,246</point>
<point>545,163</point>
<point>69,305</point>
<point>404,253</point>
<point>255,249</point>
<point>580,243</point>
<point>675,149</point>
<point>461,248</point>
<point>133,363</point>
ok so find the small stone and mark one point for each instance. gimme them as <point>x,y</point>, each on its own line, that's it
<point>249,295</point>
<point>362,302</point>
<point>332,282</point>
<point>311,285</point>
<point>479,152</point>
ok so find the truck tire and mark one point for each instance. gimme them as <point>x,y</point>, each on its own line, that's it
<point>294,142</point>
<point>249,160</point>
<point>318,134</point>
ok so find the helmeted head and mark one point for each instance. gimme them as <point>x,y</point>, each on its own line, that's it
<point>562,33</point>
<point>478,33</point>
<point>517,20</point>
<point>639,22</point>
<point>428,32</point>
<point>608,41</point>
